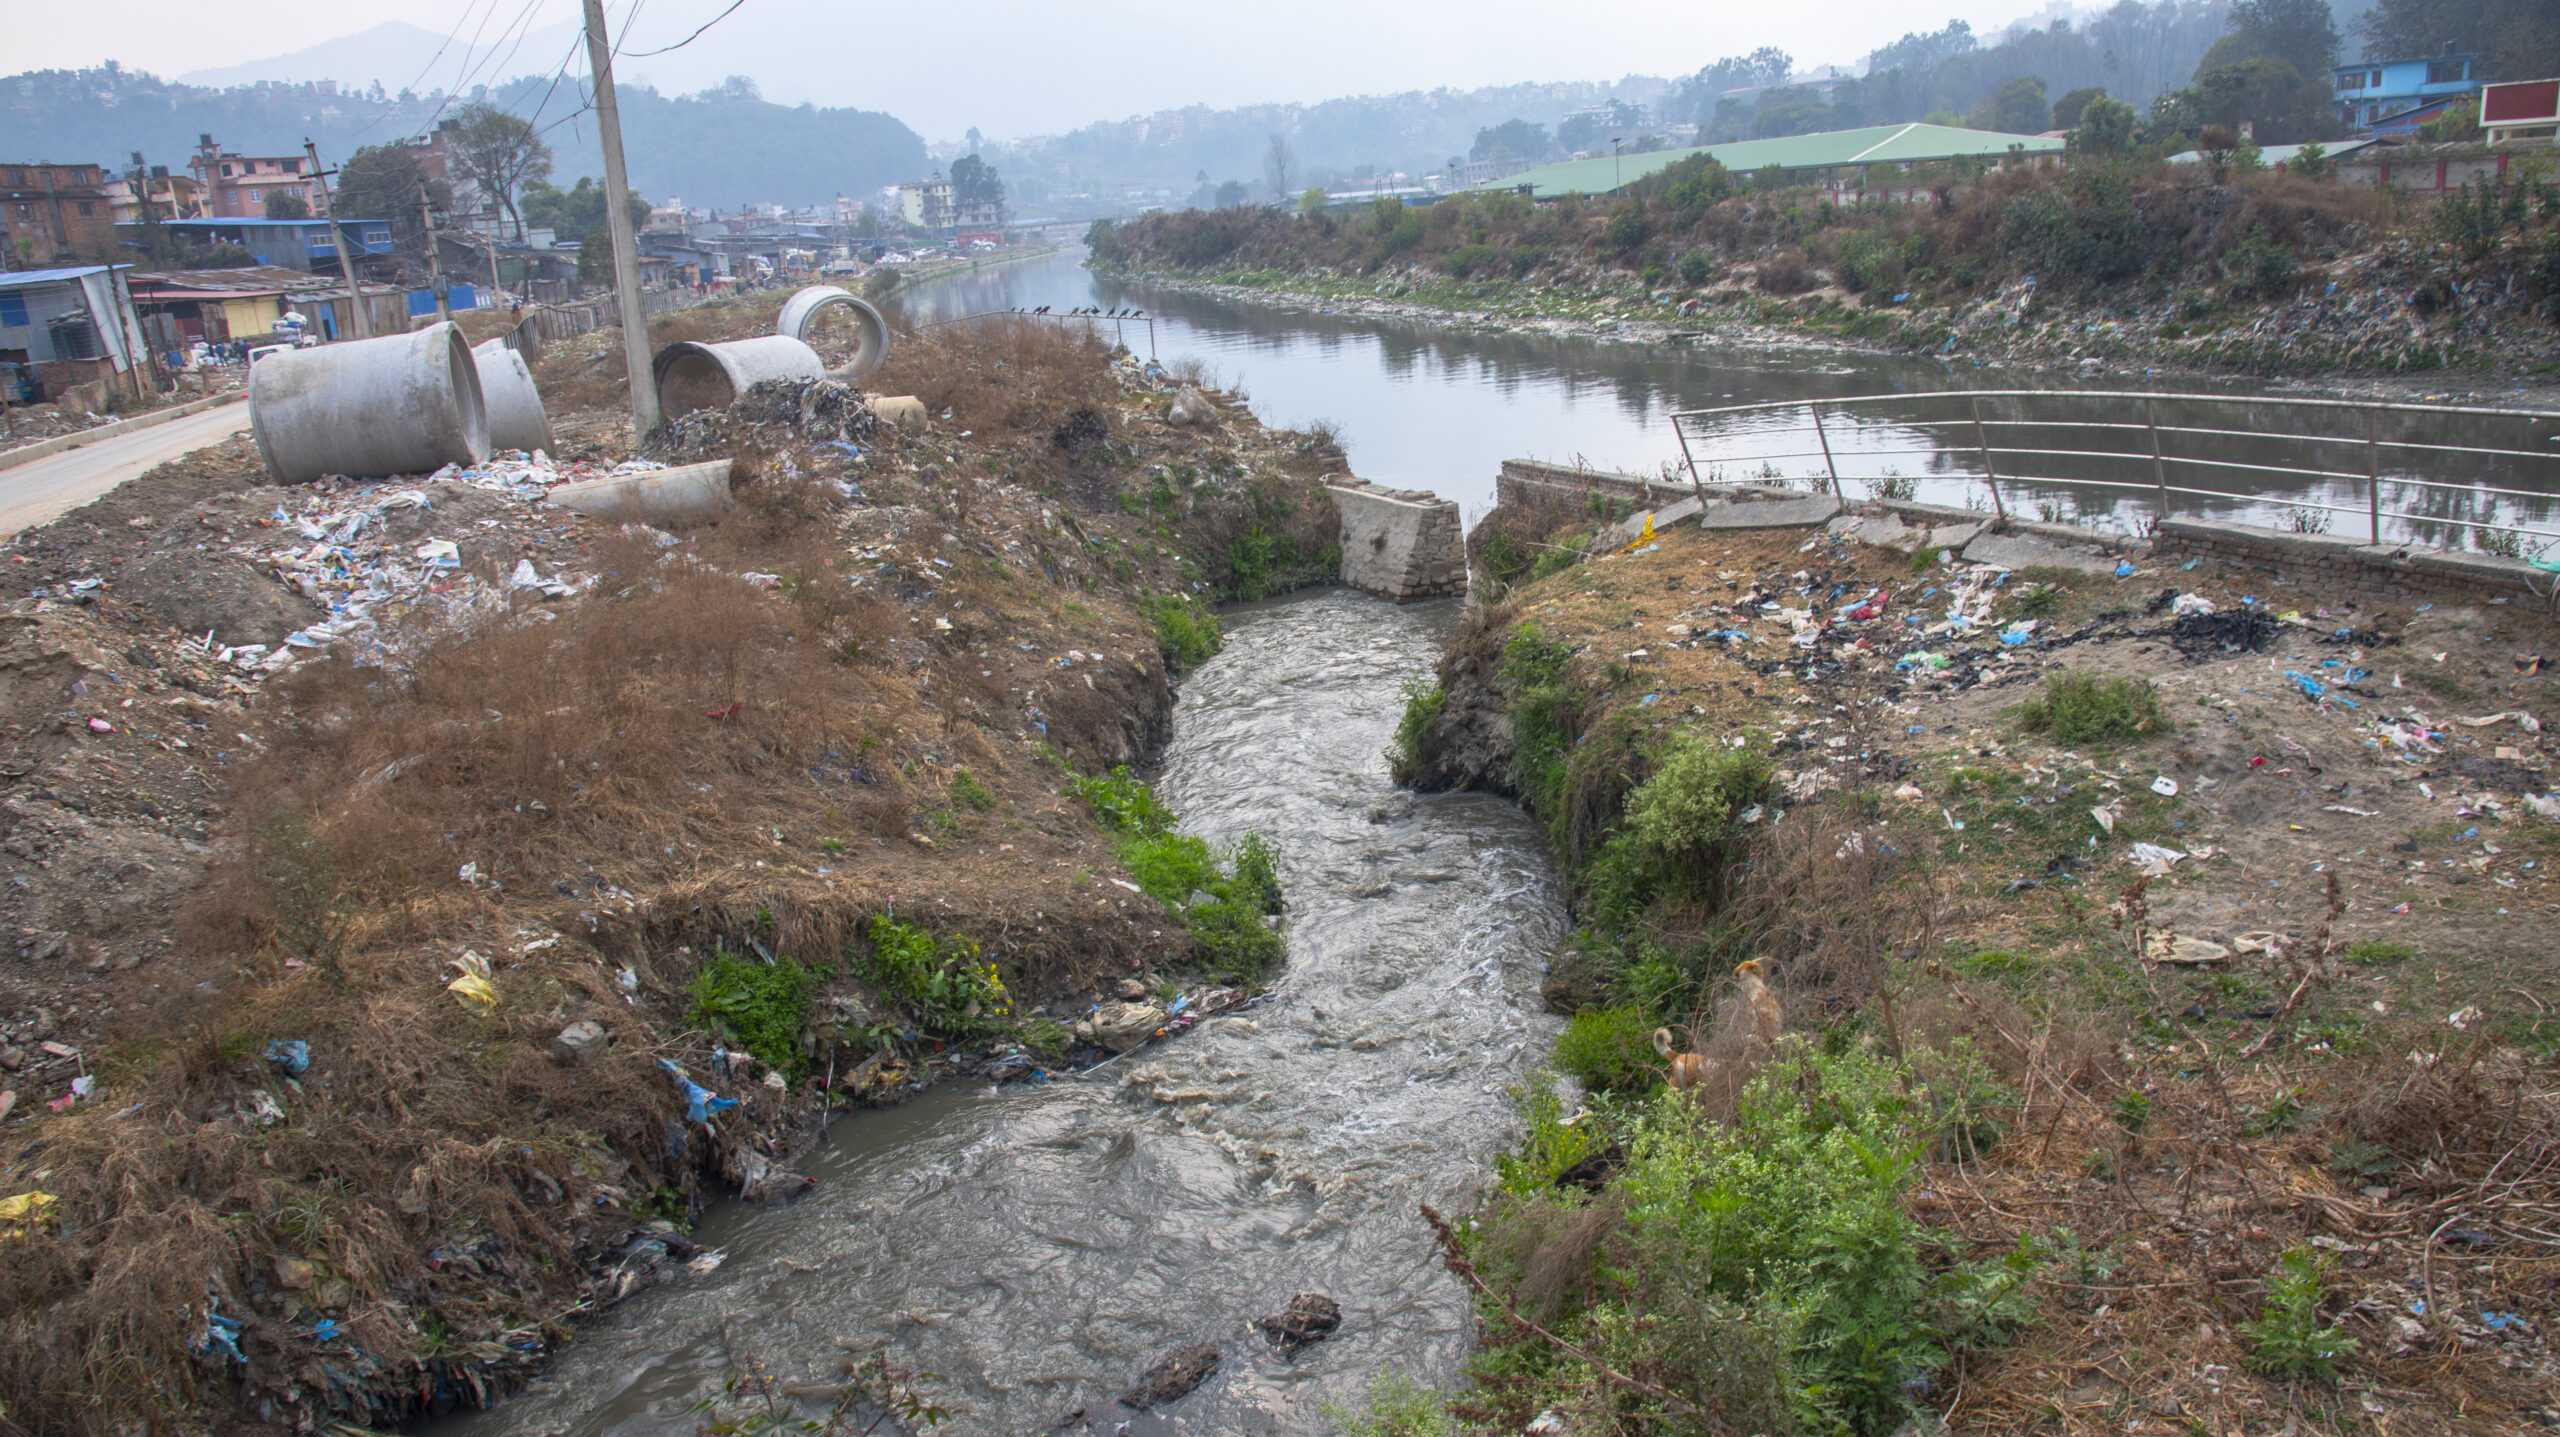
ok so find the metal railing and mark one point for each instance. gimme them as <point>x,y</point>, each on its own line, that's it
<point>2424,466</point>
<point>1091,322</point>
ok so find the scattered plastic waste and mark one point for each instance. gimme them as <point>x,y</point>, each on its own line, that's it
<point>474,987</point>
<point>2165,786</point>
<point>2124,569</point>
<point>221,1334</point>
<point>2162,947</point>
<point>24,1213</point>
<point>2018,633</point>
<point>292,1058</point>
<point>699,1102</point>
<point>2155,860</point>
<point>1925,660</point>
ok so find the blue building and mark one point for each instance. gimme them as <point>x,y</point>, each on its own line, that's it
<point>2377,90</point>
<point>306,245</point>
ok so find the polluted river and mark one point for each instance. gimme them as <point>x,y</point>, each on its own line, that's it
<point>1037,1247</point>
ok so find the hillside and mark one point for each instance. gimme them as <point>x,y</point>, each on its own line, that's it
<point>716,148</point>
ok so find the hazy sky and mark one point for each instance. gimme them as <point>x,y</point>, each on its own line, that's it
<point>1012,67</point>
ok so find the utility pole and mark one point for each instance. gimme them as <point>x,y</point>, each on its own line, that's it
<point>346,257</point>
<point>435,261</point>
<point>617,213</point>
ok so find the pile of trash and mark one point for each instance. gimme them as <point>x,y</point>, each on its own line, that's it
<point>780,415</point>
<point>358,552</point>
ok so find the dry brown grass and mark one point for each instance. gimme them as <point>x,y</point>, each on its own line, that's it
<point>1000,376</point>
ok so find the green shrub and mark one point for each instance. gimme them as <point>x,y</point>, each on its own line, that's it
<point>1687,816</point>
<point>1562,555</point>
<point>1800,1203</point>
<point>759,1006</point>
<point>1422,703</point>
<point>966,789</point>
<point>1187,630</point>
<point>1396,1406</point>
<point>1542,717</point>
<point>2286,1338</point>
<point>1250,557</point>
<point>2084,709</point>
<point>1471,259</point>
<point>1550,1141</point>
<point>941,981</point>
<point>1697,267</point>
<point>1610,1049</point>
<point>1121,802</point>
<point>1228,934</point>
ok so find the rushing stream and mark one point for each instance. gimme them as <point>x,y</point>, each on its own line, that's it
<point>1039,1246</point>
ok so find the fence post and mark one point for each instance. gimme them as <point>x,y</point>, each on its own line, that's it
<point>1990,475</point>
<point>2159,471</point>
<point>1827,462</point>
<point>2373,475</point>
<point>1690,459</point>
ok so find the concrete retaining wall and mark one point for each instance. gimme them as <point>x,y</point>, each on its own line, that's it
<point>2377,571</point>
<point>1400,544</point>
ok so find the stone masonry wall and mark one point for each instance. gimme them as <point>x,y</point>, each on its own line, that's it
<point>1400,544</point>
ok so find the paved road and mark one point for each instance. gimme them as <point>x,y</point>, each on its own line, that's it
<point>33,493</point>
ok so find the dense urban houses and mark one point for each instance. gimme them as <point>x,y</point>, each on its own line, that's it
<point>238,185</point>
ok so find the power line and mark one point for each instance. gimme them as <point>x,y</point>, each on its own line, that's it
<point>696,35</point>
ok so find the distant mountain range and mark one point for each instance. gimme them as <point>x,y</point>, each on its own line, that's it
<point>400,56</point>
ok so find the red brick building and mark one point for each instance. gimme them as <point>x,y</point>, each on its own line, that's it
<point>54,213</point>
<point>236,186</point>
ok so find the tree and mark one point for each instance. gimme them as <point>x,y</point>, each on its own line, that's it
<point>2018,108</point>
<point>577,212</point>
<point>1232,195</point>
<point>286,205</point>
<point>1511,140</point>
<point>2298,32</point>
<point>1279,166</point>
<point>497,152</point>
<point>974,185</point>
<point>2066,111</point>
<point>2105,128</point>
<point>1313,200</point>
<point>2282,106</point>
<point>385,182</point>
<point>2515,38</point>
<point>595,258</point>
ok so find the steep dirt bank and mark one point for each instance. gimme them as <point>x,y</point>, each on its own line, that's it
<point>394,865</point>
<point>2310,1019</point>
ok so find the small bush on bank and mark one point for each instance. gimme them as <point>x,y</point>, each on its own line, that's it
<point>1422,704</point>
<point>757,1005</point>
<point>1187,630</point>
<point>1687,816</point>
<point>942,982</point>
<point>2286,1338</point>
<point>1769,1267</point>
<point>1610,1049</point>
<point>2083,708</point>
<point>1228,933</point>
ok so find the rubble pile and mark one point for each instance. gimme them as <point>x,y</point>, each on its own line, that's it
<point>778,415</point>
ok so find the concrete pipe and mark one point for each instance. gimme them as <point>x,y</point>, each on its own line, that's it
<point>686,494</point>
<point>693,376</point>
<point>870,331</point>
<point>516,420</point>
<point>367,408</point>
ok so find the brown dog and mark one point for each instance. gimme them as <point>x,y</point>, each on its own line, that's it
<point>1768,1025</point>
<point>1687,1069</point>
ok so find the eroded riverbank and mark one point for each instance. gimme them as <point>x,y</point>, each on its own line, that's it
<point>1039,1246</point>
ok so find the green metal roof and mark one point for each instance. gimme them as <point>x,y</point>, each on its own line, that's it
<point>1874,145</point>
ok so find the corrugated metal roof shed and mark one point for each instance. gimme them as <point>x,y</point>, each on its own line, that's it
<point>1874,145</point>
<point>2274,155</point>
<point>21,278</point>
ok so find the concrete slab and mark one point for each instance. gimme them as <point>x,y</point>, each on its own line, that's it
<point>2017,551</point>
<point>1624,532</point>
<point>1885,531</point>
<point>1953,536</point>
<point>1772,514</point>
